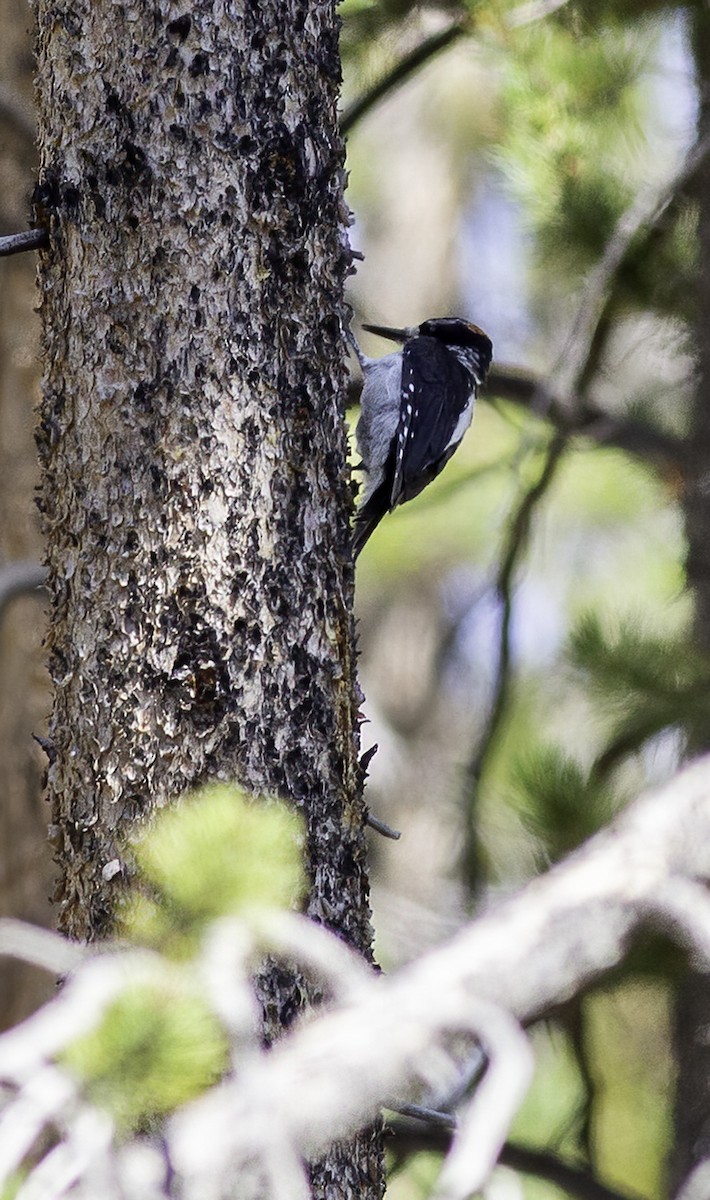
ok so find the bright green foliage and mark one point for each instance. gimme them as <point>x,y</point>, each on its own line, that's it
<point>159,1044</point>
<point>217,852</point>
<point>156,1048</point>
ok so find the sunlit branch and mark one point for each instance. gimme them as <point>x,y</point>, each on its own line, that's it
<point>530,953</point>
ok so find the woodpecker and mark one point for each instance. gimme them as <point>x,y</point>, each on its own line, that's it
<point>415,407</point>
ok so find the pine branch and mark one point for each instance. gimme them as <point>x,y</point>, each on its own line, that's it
<point>635,437</point>
<point>526,956</point>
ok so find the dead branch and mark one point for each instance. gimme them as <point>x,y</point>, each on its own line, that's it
<point>533,952</point>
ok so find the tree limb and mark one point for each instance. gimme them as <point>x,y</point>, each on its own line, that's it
<point>29,239</point>
<point>636,437</point>
<point>528,955</point>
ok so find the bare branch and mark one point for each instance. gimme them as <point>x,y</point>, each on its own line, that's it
<point>29,239</point>
<point>18,243</point>
<point>644,441</point>
<point>530,954</point>
<point>38,946</point>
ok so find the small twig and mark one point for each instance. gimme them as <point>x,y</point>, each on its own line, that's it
<point>380,827</point>
<point>17,243</point>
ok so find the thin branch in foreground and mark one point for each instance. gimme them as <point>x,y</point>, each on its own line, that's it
<point>531,953</point>
<point>387,1041</point>
<point>18,243</point>
<point>40,947</point>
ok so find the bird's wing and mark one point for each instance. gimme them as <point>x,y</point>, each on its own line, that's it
<point>436,391</point>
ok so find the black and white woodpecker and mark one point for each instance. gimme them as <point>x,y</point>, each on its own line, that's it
<point>415,407</point>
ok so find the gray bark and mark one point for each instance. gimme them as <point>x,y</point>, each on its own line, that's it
<point>195,488</point>
<point>692,1013</point>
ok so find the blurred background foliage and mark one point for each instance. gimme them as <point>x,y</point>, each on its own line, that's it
<point>528,650</point>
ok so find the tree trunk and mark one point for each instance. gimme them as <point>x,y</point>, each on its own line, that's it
<point>25,859</point>
<point>692,1014</point>
<point>196,494</point>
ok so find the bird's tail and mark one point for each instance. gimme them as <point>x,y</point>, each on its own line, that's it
<point>367,518</point>
<point>362,529</point>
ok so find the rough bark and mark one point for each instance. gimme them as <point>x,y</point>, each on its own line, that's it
<point>196,494</point>
<point>25,861</point>
<point>692,1111</point>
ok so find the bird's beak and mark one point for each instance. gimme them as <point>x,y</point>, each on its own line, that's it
<point>394,335</point>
